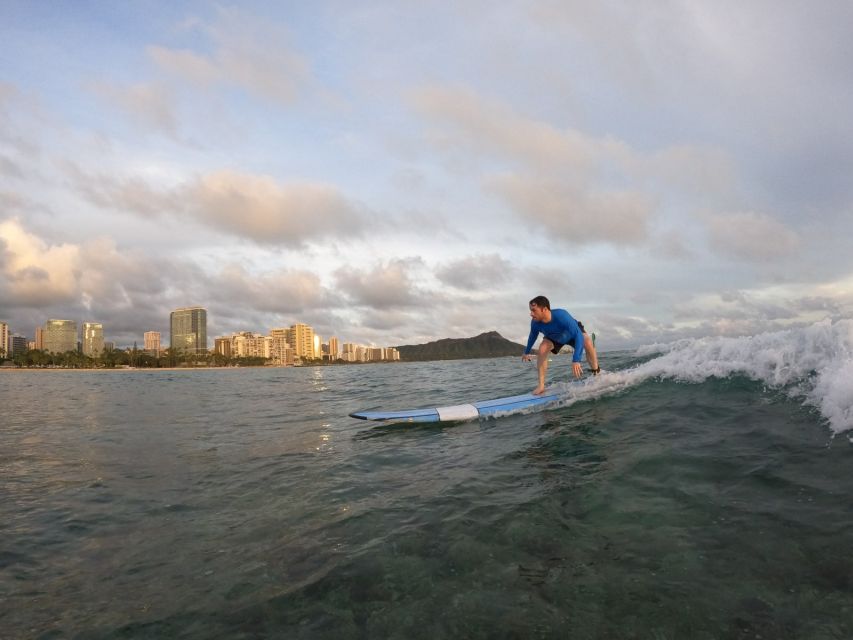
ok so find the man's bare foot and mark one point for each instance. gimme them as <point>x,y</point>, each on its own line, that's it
<point>538,391</point>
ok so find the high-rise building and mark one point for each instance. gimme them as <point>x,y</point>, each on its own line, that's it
<point>188,330</point>
<point>349,352</point>
<point>5,349</point>
<point>60,336</point>
<point>18,345</point>
<point>222,346</point>
<point>151,343</point>
<point>92,339</point>
<point>301,338</point>
<point>334,348</point>
<point>250,345</point>
<point>281,352</point>
<point>39,339</point>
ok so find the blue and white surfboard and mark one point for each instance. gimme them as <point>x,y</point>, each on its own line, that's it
<point>463,412</point>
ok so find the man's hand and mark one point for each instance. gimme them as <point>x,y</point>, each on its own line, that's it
<point>526,357</point>
<point>577,370</point>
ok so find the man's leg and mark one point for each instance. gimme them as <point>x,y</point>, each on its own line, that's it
<point>591,355</point>
<point>542,364</point>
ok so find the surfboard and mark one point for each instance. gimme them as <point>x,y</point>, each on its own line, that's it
<point>463,412</point>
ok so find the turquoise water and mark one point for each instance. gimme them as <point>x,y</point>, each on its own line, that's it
<point>660,503</point>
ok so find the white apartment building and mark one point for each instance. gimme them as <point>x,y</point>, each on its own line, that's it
<point>281,354</point>
<point>5,348</point>
<point>251,345</point>
<point>151,340</point>
<point>358,353</point>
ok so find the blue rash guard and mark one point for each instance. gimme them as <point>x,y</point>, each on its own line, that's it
<point>563,329</point>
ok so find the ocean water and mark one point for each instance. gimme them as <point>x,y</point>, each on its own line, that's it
<point>702,489</point>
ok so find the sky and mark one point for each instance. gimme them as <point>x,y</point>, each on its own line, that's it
<point>397,172</point>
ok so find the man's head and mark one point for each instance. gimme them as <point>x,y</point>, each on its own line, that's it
<point>540,309</point>
<point>541,301</point>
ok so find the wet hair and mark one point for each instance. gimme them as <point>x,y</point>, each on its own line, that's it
<point>541,302</point>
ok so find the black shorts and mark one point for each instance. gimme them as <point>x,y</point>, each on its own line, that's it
<point>560,345</point>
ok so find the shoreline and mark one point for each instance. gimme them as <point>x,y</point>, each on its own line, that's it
<point>105,369</point>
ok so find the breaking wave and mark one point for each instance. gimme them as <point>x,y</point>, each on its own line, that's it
<point>813,364</point>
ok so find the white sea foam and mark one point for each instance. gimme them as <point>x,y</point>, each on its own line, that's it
<point>813,363</point>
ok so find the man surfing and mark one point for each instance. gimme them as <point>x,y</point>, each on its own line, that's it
<point>558,328</point>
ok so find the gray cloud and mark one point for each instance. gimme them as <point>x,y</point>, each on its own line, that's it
<point>131,292</point>
<point>277,292</point>
<point>580,188</point>
<point>248,53</point>
<point>10,168</point>
<point>475,272</point>
<point>253,207</point>
<point>784,87</point>
<point>149,104</point>
<point>577,216</point>
<point>752,237</point>
<point>388,285</point>
<point>259,208</point>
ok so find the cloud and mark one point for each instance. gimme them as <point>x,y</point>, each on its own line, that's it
<point>580,188</point>
<point>11,202</point>
<point>577,216</point>
<point>149,104</point>
<point>280,291</point>
<point>254,207</point>
<point>193,67</point>
<point>388,285</point>
<point>130,292</point>
<point>751,237</point>
<point>491,128</point>
<point>35,273</point>
<point>10,168</point>
<point>475,272</point>
<point>259,208</point>
<point>248,53</point>
<point>22,118</point>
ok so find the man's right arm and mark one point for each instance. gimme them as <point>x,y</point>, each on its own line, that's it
<point>534,333</point>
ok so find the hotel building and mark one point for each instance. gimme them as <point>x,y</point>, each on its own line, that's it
<point>59,336</point>
<point>92,339</point>
<point>188,330</point>
<point>250,345</point>
<point>18,345</point>
<point>301,338</point>
<point>151,342</point>
<point>222,346</point>
<point>5,350</point>
<point>281,353</point>
<point>334,348</point>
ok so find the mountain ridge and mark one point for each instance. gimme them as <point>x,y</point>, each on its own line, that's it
<point>489,344</point>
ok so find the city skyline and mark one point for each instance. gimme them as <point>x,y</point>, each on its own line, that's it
<point>90,338</point>
<point>416,171</point>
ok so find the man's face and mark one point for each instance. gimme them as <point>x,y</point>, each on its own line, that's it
<point>537,312</point>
